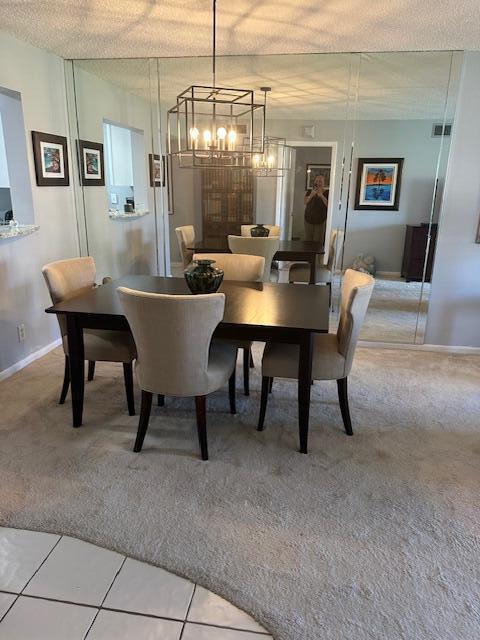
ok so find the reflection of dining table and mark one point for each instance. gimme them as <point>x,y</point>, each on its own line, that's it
<point>291,250</point>
<point>253,311</point>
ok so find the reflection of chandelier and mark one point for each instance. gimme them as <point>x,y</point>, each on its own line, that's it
<point>275,158</point>
<point>216,126</point>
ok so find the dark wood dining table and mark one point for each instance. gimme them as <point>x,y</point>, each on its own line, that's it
<point>264,312</point>
<point>291,250</point>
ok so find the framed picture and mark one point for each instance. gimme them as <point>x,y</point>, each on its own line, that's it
<point>51,160</point>
<point>314,170</point>
<point>157,170</point>
<point>92,172</point>
<point>378,184</point>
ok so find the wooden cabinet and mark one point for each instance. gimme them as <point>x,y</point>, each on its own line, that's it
<point>227,201</point>
<point>416,238</point>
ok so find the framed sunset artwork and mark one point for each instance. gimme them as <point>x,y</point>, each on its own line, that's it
<point>378,184</point>
<point>51,159</point>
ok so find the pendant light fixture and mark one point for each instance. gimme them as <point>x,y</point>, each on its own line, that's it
<point>275,159</point>
<point>212,126</point>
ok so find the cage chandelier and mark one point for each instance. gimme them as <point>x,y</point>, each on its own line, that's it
<point>212,126</point>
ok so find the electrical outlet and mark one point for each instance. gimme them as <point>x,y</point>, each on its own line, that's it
<point>21,332</point>
<point>113,198</point>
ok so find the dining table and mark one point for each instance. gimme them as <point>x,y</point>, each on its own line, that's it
<point>289,250</point>
<point>257,311</point>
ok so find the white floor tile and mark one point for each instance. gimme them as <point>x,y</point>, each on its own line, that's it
<point>110,625</point>
<point>6,600</point>
<point>76,572</point>
<point>201,632</point>
<point>142,588</point>
<point>32,619</point>
<point>211,609</point>
<point>21,553</point>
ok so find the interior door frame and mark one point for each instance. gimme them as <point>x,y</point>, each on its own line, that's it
<point>333,168</point>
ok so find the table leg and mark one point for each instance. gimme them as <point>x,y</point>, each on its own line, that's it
<point>304,385</point>
<point>312,261</point>
<point>77,367</point>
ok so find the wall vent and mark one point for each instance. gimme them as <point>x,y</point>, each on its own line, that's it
<point>441,129</point>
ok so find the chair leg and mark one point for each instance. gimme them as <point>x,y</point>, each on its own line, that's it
<point>343,399</point>
<point>91,370</point>
<point>270,386</point>
<point>160,400</point>
<point>246,372</point>
<point>144,418</point>
<point>128,377</point>
<point>66,381</point>
<point>266,381</point>
<point>201,409</point>
<point>252,363</point>
<point>231,392</point>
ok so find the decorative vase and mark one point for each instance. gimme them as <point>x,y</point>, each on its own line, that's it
<point>203,278</point>
<point>259,231</point>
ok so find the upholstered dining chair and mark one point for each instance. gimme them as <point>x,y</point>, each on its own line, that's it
<point>266,247</point>
<point>176,354</point>
<point>185,238</point>
<point>67,279</point>
<point>274,229</point>
<point>248,269</point>
<point>300,271</point>
<point>332,353</point>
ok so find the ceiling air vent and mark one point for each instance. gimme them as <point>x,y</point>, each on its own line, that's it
<point>440,130</point>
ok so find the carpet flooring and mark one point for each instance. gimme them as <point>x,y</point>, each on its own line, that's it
<point>370,537</point>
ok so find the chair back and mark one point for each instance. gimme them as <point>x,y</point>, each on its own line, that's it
<point>236,266</point>
<point>273,228</point>
<point>332,250</point>
<point>266,247</point>
<point>172,335</point>
<point>356,292</point>
<point>185,238</point>
<point>67,279</point>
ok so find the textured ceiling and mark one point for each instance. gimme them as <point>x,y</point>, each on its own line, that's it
<point>401,85</point>
<point>139,28</point>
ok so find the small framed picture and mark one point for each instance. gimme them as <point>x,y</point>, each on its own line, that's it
<point>378,184</point>
<point>50,154</point>
<point>314,170</point>
<point>157,170</point>
<point>91,163</point>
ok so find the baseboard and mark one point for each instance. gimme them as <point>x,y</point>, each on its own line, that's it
<point>439,348</point>
<point>6,373</point>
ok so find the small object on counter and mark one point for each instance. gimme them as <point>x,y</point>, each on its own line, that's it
<point>128,207</point>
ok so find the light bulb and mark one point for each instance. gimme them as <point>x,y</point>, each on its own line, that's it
<point>221,133</point>
<point>256,161</point>
<point>232,136</point>
<point>270,161</point>
<point>207,135</point>
<point>194,133</point>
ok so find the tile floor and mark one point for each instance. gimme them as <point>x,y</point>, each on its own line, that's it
<point>55,587</point>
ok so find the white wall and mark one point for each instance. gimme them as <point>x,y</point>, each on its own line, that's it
<point>4,179</point>
<point>119,247</point>
<point>454,309</point>
<point>38,77</point>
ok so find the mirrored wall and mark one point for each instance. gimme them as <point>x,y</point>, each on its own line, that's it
<point>367,139</point>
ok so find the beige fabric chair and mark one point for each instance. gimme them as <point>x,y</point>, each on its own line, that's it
<point>185,238</point>
<point>300,271</point>
<point>236,266</point>
<point>176,355</point>
<point>70,278</point>
<point>274,229</point>
<point>249,269</point>
<point>266,247</point>
<point>332,353</point>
